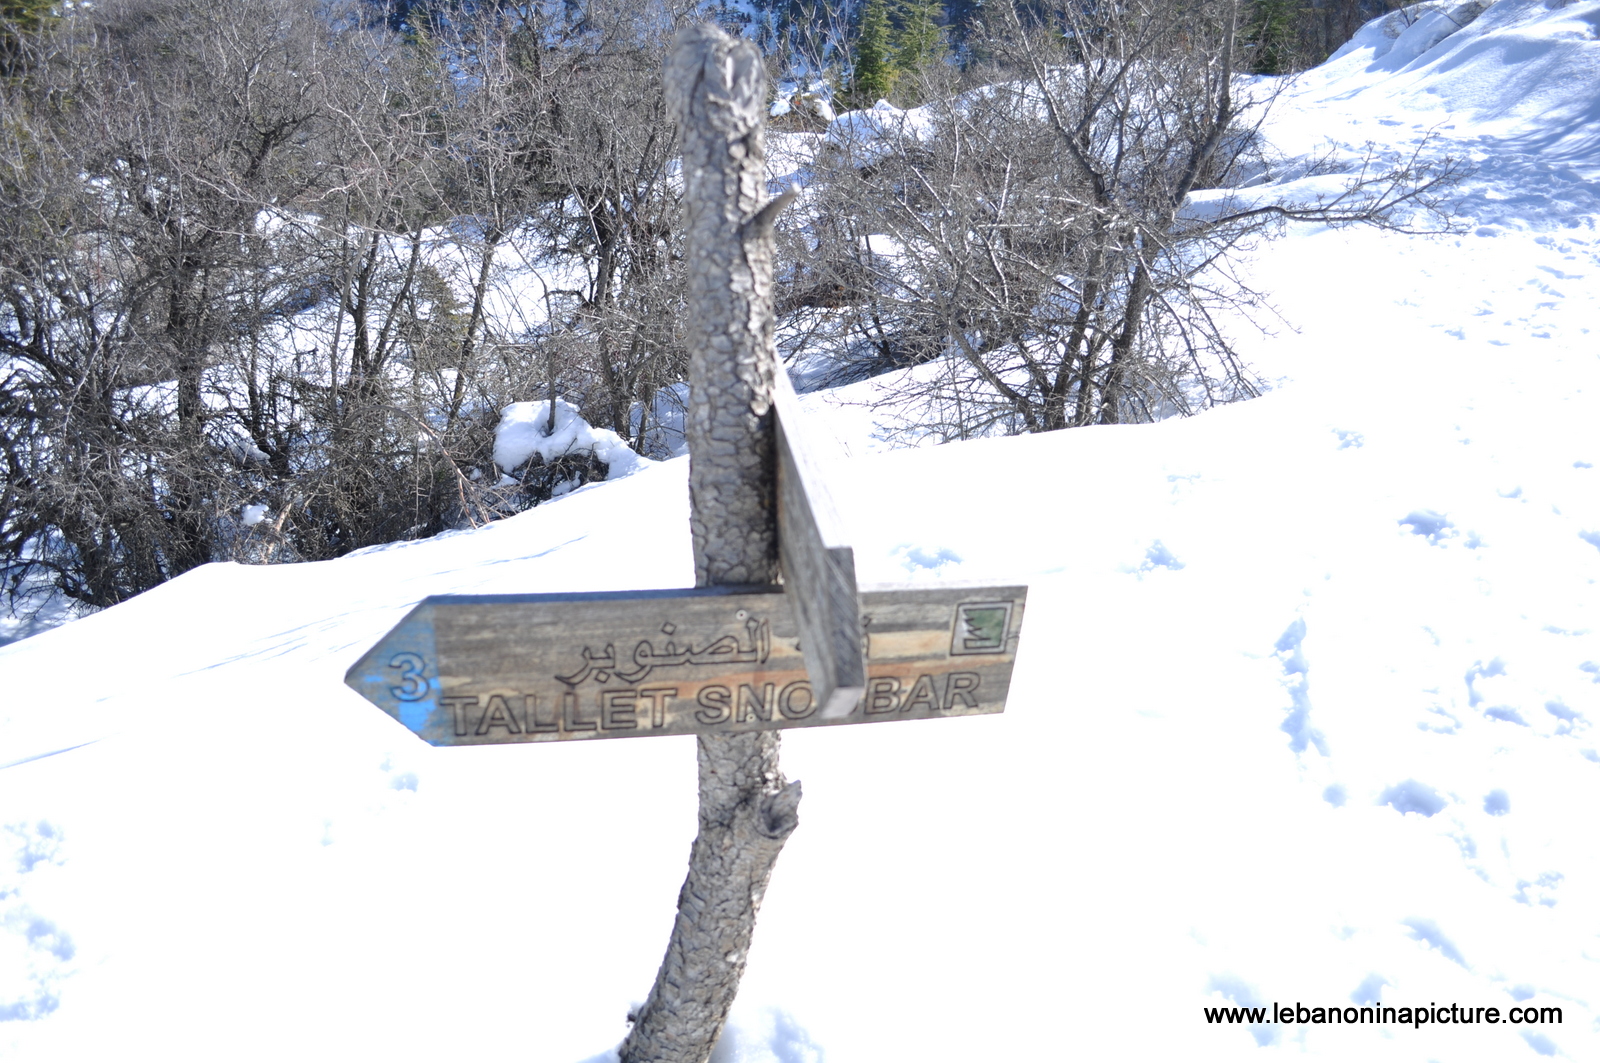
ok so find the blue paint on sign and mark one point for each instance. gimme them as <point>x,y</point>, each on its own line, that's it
<point>414,714</point>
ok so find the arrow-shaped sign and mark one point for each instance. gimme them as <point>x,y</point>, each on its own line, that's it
<point>470,670</point>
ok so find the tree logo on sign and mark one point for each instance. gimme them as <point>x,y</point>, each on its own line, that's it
<point>980,627</point>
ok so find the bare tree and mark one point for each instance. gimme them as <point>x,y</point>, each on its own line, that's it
<point>1035,241</point>
<point>264,285</point>
<point>132,268</point>
<point>263,264</point>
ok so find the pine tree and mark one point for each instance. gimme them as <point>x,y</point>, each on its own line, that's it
<point>1271,33</point>
<point>20,19</point>
<point>920,40</point>
<point>873,66</point>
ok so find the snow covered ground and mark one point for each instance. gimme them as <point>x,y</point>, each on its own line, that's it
<point>1304,709</point>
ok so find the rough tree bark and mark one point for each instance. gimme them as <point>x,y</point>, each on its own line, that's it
<point>716,91</point>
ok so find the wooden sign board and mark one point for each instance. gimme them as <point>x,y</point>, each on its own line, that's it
<point>475,670</point>
<point>819,567</point>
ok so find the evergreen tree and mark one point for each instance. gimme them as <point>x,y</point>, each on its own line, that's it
<point>920,40</point>
<point>1271,32</point>
<point>20,19</point>
<point>873,67</point>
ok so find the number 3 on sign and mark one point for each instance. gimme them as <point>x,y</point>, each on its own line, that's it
<point>413,684</point>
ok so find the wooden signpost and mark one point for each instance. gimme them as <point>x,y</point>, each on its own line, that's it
<point>476,670</point>
<point>730,664</point>
<point>487,669</point>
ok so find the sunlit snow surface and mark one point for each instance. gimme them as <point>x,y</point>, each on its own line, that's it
<point>1304,711</point>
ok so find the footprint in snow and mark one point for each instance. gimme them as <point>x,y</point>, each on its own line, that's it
<point>39,949</point>
<point>1429,524</point>
<point>1413,796</point>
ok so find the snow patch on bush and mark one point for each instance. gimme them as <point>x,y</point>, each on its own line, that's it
<point>864,137</point>
<point>526,431</point>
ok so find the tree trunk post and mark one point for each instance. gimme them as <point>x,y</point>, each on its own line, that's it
<point>716,90</point>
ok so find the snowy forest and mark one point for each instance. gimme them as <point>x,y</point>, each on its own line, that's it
<point>270,271</point>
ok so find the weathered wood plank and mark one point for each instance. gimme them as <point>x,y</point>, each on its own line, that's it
<point>472,670</point>
<point>819,568</point>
